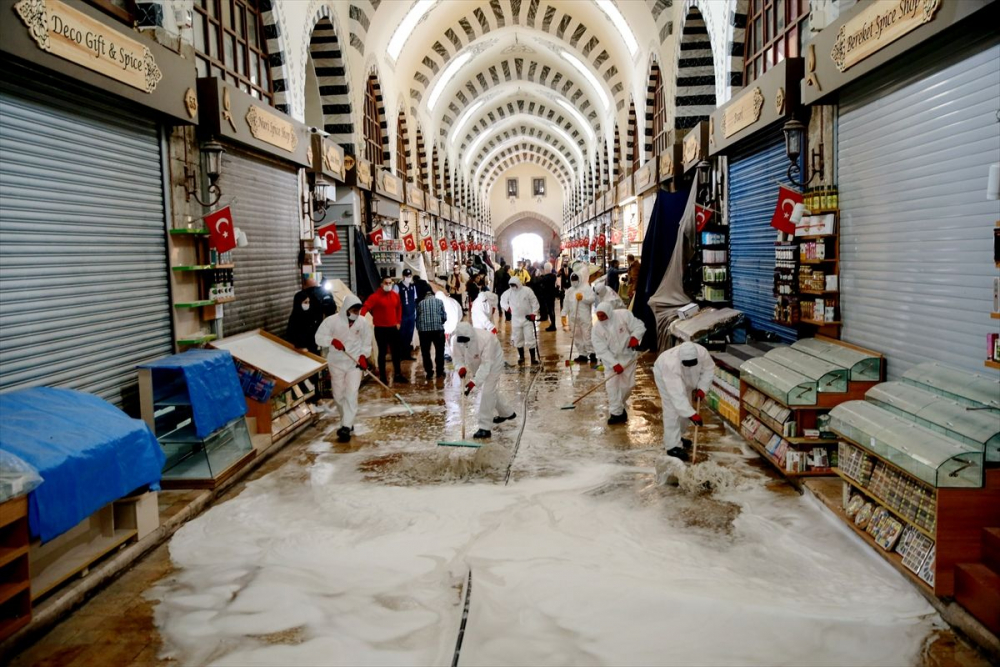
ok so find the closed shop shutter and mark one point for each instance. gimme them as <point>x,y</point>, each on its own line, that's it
<point>916,264</point>
<point>338,265</point>
<point>754,174</point>
<point>267,209</point>
<point>84,289</point>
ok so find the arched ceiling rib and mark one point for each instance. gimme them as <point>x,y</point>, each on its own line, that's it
<point>511,146</point>
<point>505,163</point>
<point>510,130</point>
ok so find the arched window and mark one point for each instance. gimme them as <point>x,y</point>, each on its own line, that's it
<point>773,31</point>
<point>231,44</point>
<point>372,123</point>
<point>402,149</point>
<point>659,113</point>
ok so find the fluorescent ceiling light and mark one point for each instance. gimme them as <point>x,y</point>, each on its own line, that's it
<point>573,111</point>
<point>621,24</point>
<point>465,116</point>
<point>587,74</point>
<point>409,24</point>
<point>449,72</point>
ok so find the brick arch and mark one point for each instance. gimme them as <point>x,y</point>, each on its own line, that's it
<point>406,157</point>
<point>522,215</point>
<point>271,17</point>
<point>651,82</point>
<point>360,14</point>
<point>736,29</point>
<point>383,123</point>
<point>695,96</point>
<point>632,140</point>
<point>325,49</point>
<point>420,163</point>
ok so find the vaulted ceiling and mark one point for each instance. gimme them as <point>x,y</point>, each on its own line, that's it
<point>493,83</point>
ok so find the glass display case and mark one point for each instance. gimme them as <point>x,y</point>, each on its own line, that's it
<point>191,458</point>
<point>928,456</point>
<point>779,382</point>
<point>862,367</point>
<point>973,389</point>
<point>829,377</point>
<point>973,426</point>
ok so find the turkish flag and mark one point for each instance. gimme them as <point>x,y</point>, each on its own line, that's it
<point>494,248</point>
<point>454,245</point>
<point>375,236</point>
<point>329,234</point>
<point>221,234</point>
<point>410,243</point>
<point>702,216</point>
<point>443,244</point>
<point>602,240</point>
<point>461,245</point>
<point>616,236</point>
<point>428,244</point>
<point>782,218</point>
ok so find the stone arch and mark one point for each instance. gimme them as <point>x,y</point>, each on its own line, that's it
<point>653,79</point>
<point>695,96</point>
<point>736,28</point>
<point>632,140</point>
<point>421,164</point>
<point>521,215</point>
<point>383,123</point>
<point>403,138</point>
<point>325,49</point>
<point>271,17</point>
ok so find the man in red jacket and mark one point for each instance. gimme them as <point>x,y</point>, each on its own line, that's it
<point>387,316</point>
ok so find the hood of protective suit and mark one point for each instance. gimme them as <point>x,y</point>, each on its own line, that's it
<point>464,329</point>
<point>548,267</point>
<point>349,302</point>
<point>606,308</point>
<point>514,280</point>
<point>687,352</point>
<point>582,269</point>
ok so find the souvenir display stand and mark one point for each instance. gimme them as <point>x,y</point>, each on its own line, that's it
<point>277,379</point>
<point>724,394</point>
<point>191,401</point>
<point>921,483</point>
<point>15,582</point>
<point>785,396</point>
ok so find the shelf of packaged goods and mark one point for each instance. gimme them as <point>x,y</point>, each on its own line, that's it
<point>189,232</point>
<point>816,261</point>
<point>765,419</point>
<point>992,364</point>
<point>293,405</point>
<point>817,323</point>
<point>293,427</point>
<point>818,472</point>
<point>196,340</point>
<point>894,558</point>
<point>818,292</point>
<point>881,503</point>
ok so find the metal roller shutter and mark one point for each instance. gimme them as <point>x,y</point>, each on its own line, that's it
<point>338,265</point>
<point>266,276</point>
<point>754,174</point>
<point>84,291</point>
<point>915,148</point>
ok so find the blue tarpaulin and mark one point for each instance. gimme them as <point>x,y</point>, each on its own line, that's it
<point>212,386</point>
<point>87,451</point>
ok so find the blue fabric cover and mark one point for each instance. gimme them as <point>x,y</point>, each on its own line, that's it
<point>212,384</point>
<point>87,451</point>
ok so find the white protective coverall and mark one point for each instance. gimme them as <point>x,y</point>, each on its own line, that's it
<point>482,358</point>
<point>605,294</point>
<point>578,312</point>
<point>345,376</point>
<point>521,302</point>
<point>484,310</point>
<point>675,381</point>
<point>611,339</point>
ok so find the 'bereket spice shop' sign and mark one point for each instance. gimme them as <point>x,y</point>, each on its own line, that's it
<point>69,33</point>
<point>881,24</point>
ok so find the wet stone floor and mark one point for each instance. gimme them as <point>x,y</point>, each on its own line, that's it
<point>360,553</point>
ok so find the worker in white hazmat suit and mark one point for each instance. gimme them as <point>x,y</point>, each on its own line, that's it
<point>604,294</point>
<point>580,298</point>
<point>616,338</point>
<point>349,337</point>
<point>484,311</point>
<point>522,305</point>
<point>678,372</point>
<point>479,360</point>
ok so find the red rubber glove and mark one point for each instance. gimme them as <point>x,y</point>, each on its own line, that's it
<point>696,419</point>
<point>618,369</point>
<point>337,345</point>
<point>531,318</point>
<point>469,387</point>
<point>699,393</point>
<point>462,371</point>
<point>494,331</point>
<point>363,363</point>
<point>633,342</point>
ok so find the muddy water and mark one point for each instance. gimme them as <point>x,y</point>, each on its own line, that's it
<point>356,554</point>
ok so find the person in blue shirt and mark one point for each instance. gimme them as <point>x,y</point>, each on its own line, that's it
<point>408,297</point>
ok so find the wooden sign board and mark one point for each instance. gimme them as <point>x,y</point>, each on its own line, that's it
<point>695,145</point>
<point>646,177</point>
<point>327,158</point>
<point>774,97</point>
<point>625,188</point>
<point>389,185</point>
<point>433,205</point>
<point>414,197</point>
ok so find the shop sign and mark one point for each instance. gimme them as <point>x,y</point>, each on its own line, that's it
<point>644,178</point>
<point>624,188</point>
<point>364,171</point>
<point>70,34</point>
<point>272,129</point>
<point>433,205</point>
<point>743,113</point>
<point>877,26</point>
<point>415,197</point>
<point>326,157</point>
<point>389,185</point>
<point>695,145</point>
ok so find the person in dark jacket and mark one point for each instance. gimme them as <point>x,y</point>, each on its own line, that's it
<point>408,298</point>
<point>614,282</point>
<point>547,282</point>
<point>501,282</point>
<point>564,282</point>
<point>310,306</point>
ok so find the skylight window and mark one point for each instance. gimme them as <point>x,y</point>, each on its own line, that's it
<point>449,73</point>
<point>465,116</point>
<point>621,25</point>
<point>573,111</point>
<point>588,75</point>
<point>409,24</point>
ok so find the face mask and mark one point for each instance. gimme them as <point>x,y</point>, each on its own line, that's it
<point>352,316</point>
<point>690,362</point>
<point>407,281</point>
<point>462,339</point>
<point>387,288</point>
<point>305,305</point>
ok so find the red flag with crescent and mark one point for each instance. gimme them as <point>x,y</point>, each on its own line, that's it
<point>616,236</point>
<point>782,219</point>
<point>329,234</point>
<point>702,215</point>
<point>454,245</point>
<point>410,243</point>
<point>376,235</point>
<point>461,245</point>
<point>443,244</point>
<point>602,240</point>
<point>428,244</point>
<point>221,233</point>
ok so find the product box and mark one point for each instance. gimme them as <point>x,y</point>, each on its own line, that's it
<point>992,347</point>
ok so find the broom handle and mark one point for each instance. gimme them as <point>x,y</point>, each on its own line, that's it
<point>370,374</point>
<point>602,383</point>
<point>694,453</point>
<point>463,411</point>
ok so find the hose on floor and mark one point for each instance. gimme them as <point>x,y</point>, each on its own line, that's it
<point>524,422</point>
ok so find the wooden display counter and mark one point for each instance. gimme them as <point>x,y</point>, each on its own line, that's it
<point>15,584</point>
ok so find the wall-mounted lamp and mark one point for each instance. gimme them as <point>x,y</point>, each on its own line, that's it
<point>794,132</point>
<point>322,194</point>
<point>211,155</point>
